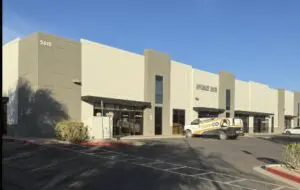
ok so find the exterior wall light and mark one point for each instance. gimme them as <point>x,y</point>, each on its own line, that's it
<point>76,81</point>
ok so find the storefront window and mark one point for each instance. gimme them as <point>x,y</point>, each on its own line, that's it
<point>288,123</point>
<point>227,114</point>
<point>127,120</point>
<point>178,121</point>
<point>261,124</point>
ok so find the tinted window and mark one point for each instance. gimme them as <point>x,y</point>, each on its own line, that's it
<point>158,89</point>
<point>179,117</point>
<point>158,120</point>
<point>227,114</point>
<point>228,98</point>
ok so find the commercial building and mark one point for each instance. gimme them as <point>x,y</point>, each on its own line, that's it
<point>151,91</point>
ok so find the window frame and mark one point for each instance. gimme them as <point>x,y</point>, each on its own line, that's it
<point>159,95</point>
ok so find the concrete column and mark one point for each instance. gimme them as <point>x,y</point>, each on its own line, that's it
<point>157,63</point>
<point>270,124</point>
<point>251,124</point>
<point>280,113</point>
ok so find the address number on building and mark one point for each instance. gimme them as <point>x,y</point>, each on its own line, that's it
<point>45,43</point>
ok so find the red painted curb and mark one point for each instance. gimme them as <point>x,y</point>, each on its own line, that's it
<point>284,175</point>
<point>107,144</point>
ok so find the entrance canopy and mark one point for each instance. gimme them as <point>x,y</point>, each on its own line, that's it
<point>96,101</point>
<point>205,109</point>
<point>253,113</point>
<point>290,116</point>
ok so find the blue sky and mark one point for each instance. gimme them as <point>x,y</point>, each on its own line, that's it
<point>258,40</point>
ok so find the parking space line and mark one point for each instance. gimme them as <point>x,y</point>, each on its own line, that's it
<point>264,182</point>
<point>234,181</point>
<point>22,155</point>
<point>202,174</point>
<point>53,164</point>
<point>179,165</point>
<point>221,182</point>
<point>151,163</point>
<point>278,188</point>
<point>104,152</point>
<point>182,174</point>
<point>131,159</point>
<point>174,172</point>
<point>176,168</point>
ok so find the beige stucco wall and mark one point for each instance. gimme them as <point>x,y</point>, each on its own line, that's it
<point>242,95</point>
<point>10,74</point>
<point>262,98</point>
<point>87,112</point>
<point>111,72</point>
<point>58,65</point>
<point>206,98</point>
<point>10,61</point>
<point>289,103</point>
<point>181,90</point>
<point>273,105</point>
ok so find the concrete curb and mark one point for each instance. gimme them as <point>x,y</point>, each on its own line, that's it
<point>262,135</point>
<point>158,137</point>
<point>111,143</point>
<point>263,171</point>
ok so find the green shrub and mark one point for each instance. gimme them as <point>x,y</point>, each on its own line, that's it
<point>291,155</point>
<point>73,131</point>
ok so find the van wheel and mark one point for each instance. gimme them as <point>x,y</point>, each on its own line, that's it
<point>223,135</point>
<point>188,133</point>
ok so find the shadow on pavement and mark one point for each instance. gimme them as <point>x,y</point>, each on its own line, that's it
<point>283,139</point>
<point>269,160</point>
<point>54,168</point>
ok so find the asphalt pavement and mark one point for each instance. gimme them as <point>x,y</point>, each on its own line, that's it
<point>195,163</point>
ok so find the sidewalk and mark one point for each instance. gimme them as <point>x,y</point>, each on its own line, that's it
<point>281,173</point>
<point>153,137</point>
<point>261,134</point>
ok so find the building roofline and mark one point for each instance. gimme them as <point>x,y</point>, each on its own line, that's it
<point>82,40</point>
<point>12,41</point>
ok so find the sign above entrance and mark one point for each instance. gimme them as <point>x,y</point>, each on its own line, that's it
<point>206,88</point>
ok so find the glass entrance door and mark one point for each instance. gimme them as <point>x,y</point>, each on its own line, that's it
<point>261,124</point>
<point>158,120</point>
<point>288,123</point>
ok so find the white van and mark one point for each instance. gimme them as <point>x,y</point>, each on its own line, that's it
<point>224,128</point>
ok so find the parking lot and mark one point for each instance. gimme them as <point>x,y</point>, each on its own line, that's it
<point>195,163</point>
